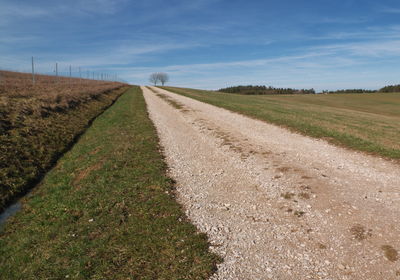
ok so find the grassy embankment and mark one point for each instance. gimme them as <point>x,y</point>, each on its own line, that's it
<point>106,211</point>
<point>364,122</point>
<point>38,123</point>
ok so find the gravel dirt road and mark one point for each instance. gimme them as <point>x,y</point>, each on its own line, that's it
<point>278,205</point>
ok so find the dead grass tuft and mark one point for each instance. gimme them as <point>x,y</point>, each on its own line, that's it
<point>288,195</point>
<point>84,173</point>
<point>283,169</point>
<point>299,213</point>
<point>390,253</point>
<point>359,232</point>
<point>304,195</point>
<point>305,187</point>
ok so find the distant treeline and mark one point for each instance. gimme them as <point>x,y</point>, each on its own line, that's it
<point>261,90</point>
<point>357,90</point>
<point>394,88</point>
<point>264,90</point>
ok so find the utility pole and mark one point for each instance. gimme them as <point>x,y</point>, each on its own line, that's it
<point>33,72</point>
<point>80,75</point>
<point>57,71</point>
<point>70,72</point>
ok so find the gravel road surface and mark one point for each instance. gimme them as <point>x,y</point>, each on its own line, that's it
<point>275,204</point>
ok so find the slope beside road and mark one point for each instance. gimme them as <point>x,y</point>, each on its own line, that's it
<point>278,205</point>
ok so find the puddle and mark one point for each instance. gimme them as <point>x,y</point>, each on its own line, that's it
<point>10,211</point>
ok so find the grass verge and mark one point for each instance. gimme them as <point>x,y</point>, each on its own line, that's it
<point>106,211</point>
<point>364,122</point>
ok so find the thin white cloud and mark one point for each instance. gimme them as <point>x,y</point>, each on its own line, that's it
<point>12,11</point>
<point>131,49</point>
<point>310,61</point>
<point>333,20</point>
<point>101,6</point>
<point>126,54</point>
<point>390,10</point>
<point>388,48</point>
<point>14,39</point>
<point>21,10</point>
<point>368,33</point>
<point>326,67</point>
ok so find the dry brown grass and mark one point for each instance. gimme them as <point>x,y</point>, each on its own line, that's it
<point>283,169</point>
<point>390,253</point>
<point>304,195</point>
<point>49,91</point>
<point>288,195</point>
<point>38,122</point>
<point>360,233</point>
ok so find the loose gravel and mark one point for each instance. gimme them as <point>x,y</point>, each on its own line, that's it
<point>275,204</point>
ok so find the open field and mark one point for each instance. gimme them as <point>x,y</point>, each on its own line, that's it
<point>50,88</point>
<point>365,122</point>
<point>106,211</point>
<point>38,123</point>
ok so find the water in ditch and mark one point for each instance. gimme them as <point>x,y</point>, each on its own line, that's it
<point>8,212</point>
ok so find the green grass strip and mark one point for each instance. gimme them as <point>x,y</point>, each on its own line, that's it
<point>106,211</point>
<point>368,123</point>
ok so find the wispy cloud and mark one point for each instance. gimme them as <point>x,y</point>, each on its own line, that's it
<point>367,33</point>
<point>388,48</point>
<point>339,20</point>
<point>12,11</point>
<point>17,39</point>
<point>390,10</point>
<point>306,69</point>
<point>128,53</point>
<point>130,49</point>
<point>100,6</point>
<point>324,67</point>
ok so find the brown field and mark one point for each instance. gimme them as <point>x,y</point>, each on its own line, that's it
<point>50,89</point>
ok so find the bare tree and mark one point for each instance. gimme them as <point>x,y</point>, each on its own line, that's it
<point>163,77</point>
<point>154,78</point>
<point>159,77</point>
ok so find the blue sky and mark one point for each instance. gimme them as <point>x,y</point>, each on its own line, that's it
<point>321,44</point>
